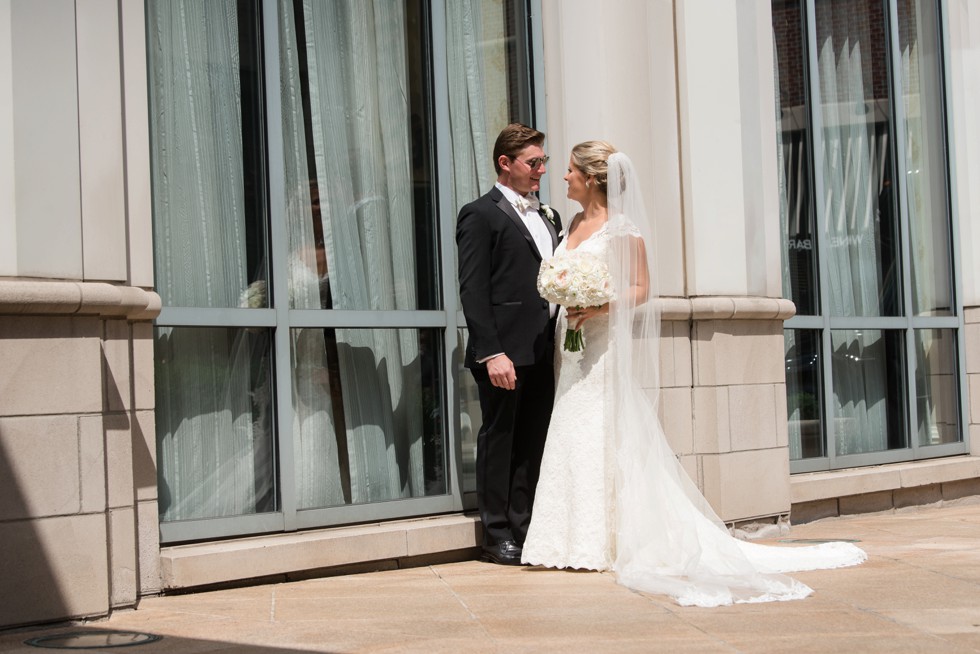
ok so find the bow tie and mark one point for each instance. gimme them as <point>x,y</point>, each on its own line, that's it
<point>523,203</point>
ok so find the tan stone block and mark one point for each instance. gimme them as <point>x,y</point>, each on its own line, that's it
<point>148,545</point>
<point>744,485</point>
<point>917,496</point>
<point>677,417</point>
<point>115,352</point>
<point>810,511</point>
<point>50,365</point>
<point>973,387</point>
<point>450,533</point>
<point>752,416</point>
<point>38,467</point>
<point>143,379</point>
<point>91,448</point>
<point>119,460</point>
<point>740,352</point>
<point>954,490</point>
<point>122,557</point>
<point>53,569</point>
<point>144,455</point>
<point>866,503</point>
<point>971,315</point>
<point>692,466</point>
<point>782,415</point>
<point>675,355</point>
<point>712,431</point>
<point>971,338</point>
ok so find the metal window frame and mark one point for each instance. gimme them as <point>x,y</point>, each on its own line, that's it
<point>281,319</point>
<point>908,324</point>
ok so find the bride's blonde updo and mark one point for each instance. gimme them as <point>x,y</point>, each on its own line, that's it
<point>592,158</point>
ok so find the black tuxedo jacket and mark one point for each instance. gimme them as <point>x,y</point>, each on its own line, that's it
<point>498,273</point>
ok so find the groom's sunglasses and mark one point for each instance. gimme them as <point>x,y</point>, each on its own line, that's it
<point>535,163</point>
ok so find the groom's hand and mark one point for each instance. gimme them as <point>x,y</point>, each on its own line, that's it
<point>502,373</point>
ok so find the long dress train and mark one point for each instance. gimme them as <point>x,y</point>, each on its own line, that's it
<point>613,496</point>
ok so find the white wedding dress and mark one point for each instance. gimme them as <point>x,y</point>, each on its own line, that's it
<point>612,495</point>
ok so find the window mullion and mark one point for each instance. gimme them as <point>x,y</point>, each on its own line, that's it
<point>820,216</point>
<point>280,253</point>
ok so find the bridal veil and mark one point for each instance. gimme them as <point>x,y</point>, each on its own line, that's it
<point>668,539</point>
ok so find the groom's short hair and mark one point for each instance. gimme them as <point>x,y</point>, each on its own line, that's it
<point>512,141</point>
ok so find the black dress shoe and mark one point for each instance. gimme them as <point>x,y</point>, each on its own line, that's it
<point>506,552</point>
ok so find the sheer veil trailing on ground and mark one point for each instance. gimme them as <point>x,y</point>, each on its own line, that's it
<point>668,539</point>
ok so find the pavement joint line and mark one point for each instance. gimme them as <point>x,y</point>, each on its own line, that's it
<point>272,608</point>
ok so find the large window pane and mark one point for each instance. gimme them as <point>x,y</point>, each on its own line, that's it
<point>368,415</point>
<point>935,386</point>
<point>858,161</point>
<point>796,202</point>
<point>356,124</point>
<point>206,116</point>
<point>869,390</point>
<point>925,157</point>
<point>215,445</point>
<point>804,394</point>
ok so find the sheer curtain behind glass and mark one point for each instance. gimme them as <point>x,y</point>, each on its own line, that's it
<point>355,60</point>
<point>215,455</point>
<point>860,236</point>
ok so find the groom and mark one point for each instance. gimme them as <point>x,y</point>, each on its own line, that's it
<point>502,238</point>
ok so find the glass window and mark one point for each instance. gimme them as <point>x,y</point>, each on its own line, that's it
<point>935,386</point>
<point>804,394</point>
<point>857,154</point>
<point>925,154</point>
<point>216,454</point>
<point>799,253</point>
<point>866,226</point>
<point>331,390</point>
<point>869,393</point>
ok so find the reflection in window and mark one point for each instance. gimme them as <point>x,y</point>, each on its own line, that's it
<point>925,157</point>
<point>799,254</point>
<point>804,394</point>
<point>356,116</point>
<point>935,386</point>
<point>858,161</point>
<point>215,448</point>
<point>869,393</point>
<point>206,121</point>
<point>367,415</point>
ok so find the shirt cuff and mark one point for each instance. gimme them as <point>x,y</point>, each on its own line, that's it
<point>492,356</point>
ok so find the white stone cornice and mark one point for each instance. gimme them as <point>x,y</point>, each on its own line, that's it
<point>56,297</point>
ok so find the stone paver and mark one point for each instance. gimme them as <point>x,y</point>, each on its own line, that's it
<point>919,592</point>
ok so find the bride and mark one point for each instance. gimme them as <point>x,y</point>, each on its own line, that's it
<point>612,495</point>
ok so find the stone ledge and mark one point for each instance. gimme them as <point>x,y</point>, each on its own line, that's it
<point>817,486</point>
<point>389,544</point>
<point>725,308</point>
<point>26,297</point>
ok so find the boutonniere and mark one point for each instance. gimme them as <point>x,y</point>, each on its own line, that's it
<point>548,213</point>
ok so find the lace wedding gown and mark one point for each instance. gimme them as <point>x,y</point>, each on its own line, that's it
<point>614,500</point>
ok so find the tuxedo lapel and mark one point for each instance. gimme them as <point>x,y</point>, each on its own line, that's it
<point>498,198</point>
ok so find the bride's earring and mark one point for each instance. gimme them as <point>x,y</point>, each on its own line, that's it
<point>588,183</point>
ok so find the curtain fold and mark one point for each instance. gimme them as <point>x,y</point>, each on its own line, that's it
<point>359,118</point>
<point>215,456</point>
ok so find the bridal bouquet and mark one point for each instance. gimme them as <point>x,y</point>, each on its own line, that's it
<point>575,279</point>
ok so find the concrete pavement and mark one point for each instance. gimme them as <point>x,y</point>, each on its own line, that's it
<point>919,592</point>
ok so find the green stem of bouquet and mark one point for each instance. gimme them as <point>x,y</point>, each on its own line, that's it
<point>573,340</point>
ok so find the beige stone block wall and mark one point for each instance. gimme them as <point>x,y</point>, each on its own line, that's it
<point>723,403</point>
<point>972,340</point>
<point>78,516</point>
